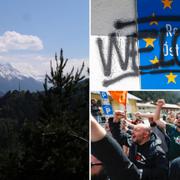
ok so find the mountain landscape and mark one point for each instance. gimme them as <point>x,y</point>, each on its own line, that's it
<point>44,135</point>
<point>12,79</point>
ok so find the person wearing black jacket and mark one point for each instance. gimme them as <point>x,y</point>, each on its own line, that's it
<point>114,124</point>
<point>147,161</point>
<point>160,133</point>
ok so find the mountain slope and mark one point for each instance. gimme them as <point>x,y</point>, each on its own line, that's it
<point>11,79</point>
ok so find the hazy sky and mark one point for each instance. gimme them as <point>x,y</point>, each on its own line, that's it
<point>31,31</point>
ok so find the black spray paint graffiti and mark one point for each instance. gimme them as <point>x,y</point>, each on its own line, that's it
<point>107,67</point>
<point>131,52</point>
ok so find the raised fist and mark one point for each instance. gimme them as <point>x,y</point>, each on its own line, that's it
<point>160,102</point>
<point>138,114</point>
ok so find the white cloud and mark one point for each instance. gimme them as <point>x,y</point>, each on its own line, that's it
<point>12,40</point>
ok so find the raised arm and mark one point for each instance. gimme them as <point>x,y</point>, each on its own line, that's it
<point>144,115</point>
<point>110,153</point>
<point>160,103</point>
<point>97,132</point>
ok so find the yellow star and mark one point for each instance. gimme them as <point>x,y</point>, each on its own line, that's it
<point>149,42</point>
<point>167,3</point>
<point>171,78</point>
<point>155,60</point>
<point>154,21</point>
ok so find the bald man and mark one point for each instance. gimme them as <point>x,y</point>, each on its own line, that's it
<point>160,133</point>
<point>146,161</point>
<point>141,134</point>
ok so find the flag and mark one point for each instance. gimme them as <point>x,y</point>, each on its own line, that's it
<point>159,41</point>
<point>119,96</point>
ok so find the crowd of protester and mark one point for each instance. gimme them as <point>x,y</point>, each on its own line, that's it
<point>145,148</point>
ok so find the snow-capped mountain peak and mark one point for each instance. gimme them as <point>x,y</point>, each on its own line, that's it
<point>9,72</point>
<point>11,79</point>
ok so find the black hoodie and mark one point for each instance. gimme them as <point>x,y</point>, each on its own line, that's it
<point>149,157</point>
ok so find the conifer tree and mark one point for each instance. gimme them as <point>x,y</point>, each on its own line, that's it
<point>64,117</point>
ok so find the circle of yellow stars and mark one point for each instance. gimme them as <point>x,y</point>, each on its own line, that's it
<point>150,41</point>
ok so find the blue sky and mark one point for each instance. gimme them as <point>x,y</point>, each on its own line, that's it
<point>36,29</point>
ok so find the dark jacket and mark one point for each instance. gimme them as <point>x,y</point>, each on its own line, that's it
<point>149,158</point>
<point>115,129</point>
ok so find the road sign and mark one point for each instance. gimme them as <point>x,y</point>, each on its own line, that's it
<point>103,95</point>
<point>107,109</point>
